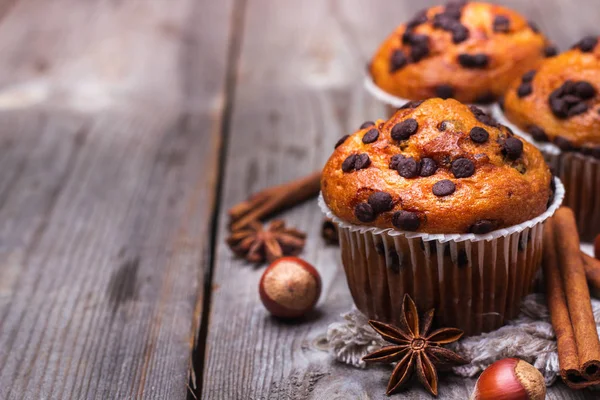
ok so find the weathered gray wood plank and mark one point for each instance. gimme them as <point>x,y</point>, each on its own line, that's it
<point>110,119</point>
<point>299,89</point>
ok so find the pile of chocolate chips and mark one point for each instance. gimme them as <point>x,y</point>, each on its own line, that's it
<point>449,20</point>
<point>569,99</point>
<point>525,88</point>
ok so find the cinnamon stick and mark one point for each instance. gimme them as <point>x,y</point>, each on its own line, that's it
<point>577,294</point>
<point>274,199</point>
<point>592,273</point>
<point>559,313</point>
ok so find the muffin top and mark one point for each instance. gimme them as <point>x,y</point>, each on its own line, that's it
<point>467,51</point>
<point>559,101</point>
<point>436,166</point>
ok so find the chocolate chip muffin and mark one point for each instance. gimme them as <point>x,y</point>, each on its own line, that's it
<point>468,51</point>
<point>439,197</point>
<point>436,167</point>
<point>558,105</point>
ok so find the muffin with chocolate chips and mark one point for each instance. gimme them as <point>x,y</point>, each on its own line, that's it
<point>557,107</point>
<point>467,51</point>
<point>444,203</point>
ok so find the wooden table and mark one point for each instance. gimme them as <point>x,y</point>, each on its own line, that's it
<point>127,129</point>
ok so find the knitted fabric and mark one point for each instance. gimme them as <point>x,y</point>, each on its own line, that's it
<point>529,337</point>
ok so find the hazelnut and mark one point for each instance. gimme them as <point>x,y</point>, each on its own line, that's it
<point>290,287</point>
<point>510,379</point>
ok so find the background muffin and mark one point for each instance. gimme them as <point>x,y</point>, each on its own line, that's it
<point>468,51</point>
<point>559,106</point>
<point>559,102</point>
<point>447,167</point>
<point>445,204</point>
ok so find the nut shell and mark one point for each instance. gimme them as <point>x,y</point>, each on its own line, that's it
<point>475,70</point>
<point>290,287</point>
<point>510,379</point>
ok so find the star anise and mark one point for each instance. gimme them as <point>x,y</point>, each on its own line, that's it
<point>414,348</point>
<point>257,244</point>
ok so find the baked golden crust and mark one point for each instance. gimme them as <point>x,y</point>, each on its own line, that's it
<point>553,109</point>
<point>508,186</point>
<point>511,45</point>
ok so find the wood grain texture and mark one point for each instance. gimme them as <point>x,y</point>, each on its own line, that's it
<point>110,118</point>
<point>299,89</point>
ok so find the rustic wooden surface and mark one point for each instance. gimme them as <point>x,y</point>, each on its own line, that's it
<point>110,128</point>
<point>127,129</point>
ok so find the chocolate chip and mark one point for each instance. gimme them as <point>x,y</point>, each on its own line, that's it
<point>550,51</point>
<point>408,167</point>
<point>524,89</point>
<point>570,99</point>
<point>584,90</point>
<point>538,133</point>
<point>405,129</point>
<point>364,212</point>
<point>479,135</point>
<point>528,76</point>
<point>418,19</point>
<point>428,167</point>
<point>483,226</point>
<point>415,39</point>
<point>445,22</point>
<point>442,126</point>
<point>501,24</point>
<point>418,52</point>
<point>362,161</point>
<point>444,91</point>
<point>395,160</point>
<point>381,202</point>
<point>587,44</point>
<point>341,141</point>
<point>533,26</point>
<point>463,168</point>
<point>348,164</point>
<point>411,104</point>
<point>406,220</point>
<point>443,188</point>
<point>577,109</point>
<point>460,34</point>
<point>486,98</point>
<point>512,148</point>
<point>558,107</point>
<point>367,124</point>
<point>370,136</point>
<point>482,117</point>
<point>479,60</point>
<point>568,87</point>
<point>397,61</point>
<point>563,143</point>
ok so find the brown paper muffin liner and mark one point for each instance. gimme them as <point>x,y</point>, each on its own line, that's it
<point>393,103</point>
<point>580,174</point>
<point>475,282</point>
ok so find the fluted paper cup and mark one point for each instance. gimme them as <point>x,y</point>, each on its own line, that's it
<point>580,175</point>
<point>475,282</point>
<point>393,103</point>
